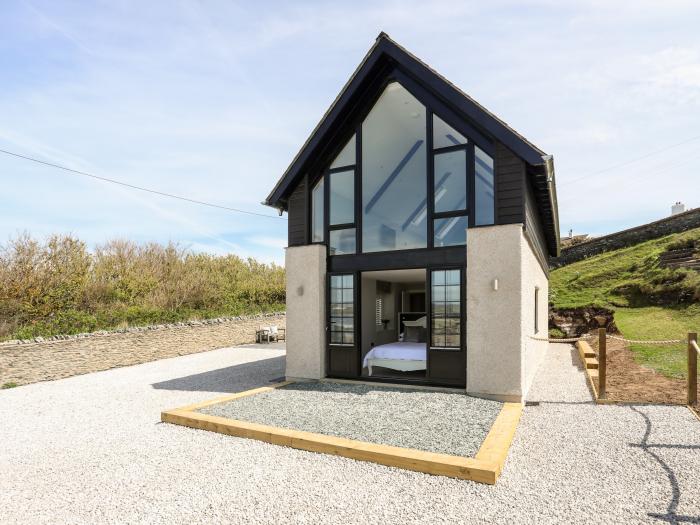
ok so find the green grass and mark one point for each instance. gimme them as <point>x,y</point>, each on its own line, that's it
<point>649,302</point>
<point>5,386</point>
<point>659,323</point>
<point>627,277</point>
<point>555,333</point>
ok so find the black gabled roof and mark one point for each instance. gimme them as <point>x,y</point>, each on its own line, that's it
<point>385,51</point>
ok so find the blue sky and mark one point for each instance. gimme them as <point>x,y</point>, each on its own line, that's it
<point>211,100</point>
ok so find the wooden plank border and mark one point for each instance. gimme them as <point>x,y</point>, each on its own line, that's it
<point>584,347</point>
<point>486,467</point>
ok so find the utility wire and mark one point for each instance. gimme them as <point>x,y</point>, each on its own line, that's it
<point>615,166</point>
<point>140,188</point>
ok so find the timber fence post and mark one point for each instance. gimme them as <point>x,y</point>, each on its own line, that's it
<point>692,369</point>
<point>602,361</point>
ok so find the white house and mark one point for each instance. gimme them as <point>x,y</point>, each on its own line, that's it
<point>420,226</point>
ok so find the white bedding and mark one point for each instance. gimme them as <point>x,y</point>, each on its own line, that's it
<point>398,356</point>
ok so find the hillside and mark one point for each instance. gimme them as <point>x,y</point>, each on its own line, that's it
<point>649,301</point>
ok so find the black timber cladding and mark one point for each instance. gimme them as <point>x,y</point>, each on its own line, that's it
<point>533,228</point>
<point>510,186</point>
<point>298,212</point>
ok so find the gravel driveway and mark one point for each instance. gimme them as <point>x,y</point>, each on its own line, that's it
<point>443,422</point>
<point>90,449</point>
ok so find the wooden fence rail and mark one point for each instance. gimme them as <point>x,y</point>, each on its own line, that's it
<point>602,361</point>
<point>693,353</point>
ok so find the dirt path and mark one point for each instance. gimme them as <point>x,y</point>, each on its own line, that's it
<point>627,380</point>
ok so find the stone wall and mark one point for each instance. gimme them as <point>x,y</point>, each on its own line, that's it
<point>23,362</point>
<point>674,224</point>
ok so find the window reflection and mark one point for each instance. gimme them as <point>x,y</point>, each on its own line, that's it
<point>446,308</point>
<point>317,199</point>
<point>394,193</point>
<point>342,197</point>
<point>483,188</point>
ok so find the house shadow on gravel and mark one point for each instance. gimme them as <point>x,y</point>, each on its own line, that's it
<point>230,379</point>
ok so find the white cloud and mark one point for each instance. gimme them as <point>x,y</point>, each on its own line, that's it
<point>213,100</point>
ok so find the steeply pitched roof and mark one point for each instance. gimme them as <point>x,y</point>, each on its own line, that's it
<point>385,51</point>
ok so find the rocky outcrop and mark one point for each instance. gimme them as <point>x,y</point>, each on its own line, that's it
<point>574,322</point>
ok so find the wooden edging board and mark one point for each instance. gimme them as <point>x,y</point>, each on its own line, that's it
<point>583,346</point>
<point>485,467</point>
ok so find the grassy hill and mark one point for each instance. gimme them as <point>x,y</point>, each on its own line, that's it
<point>650,302</point>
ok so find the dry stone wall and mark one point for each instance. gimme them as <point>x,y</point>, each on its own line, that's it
<point>674,224</point>
<point>23,362</point>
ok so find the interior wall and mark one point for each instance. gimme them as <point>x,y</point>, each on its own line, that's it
<point>373,335</point>
<point>367,325</point>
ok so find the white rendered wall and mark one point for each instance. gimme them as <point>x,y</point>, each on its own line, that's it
<point>502,356</point>
<point>306,311</point>
<point>533,277</point>
<point>494,317</point>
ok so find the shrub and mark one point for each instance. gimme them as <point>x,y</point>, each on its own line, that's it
<point>58,286</point>
<point>556,333</point>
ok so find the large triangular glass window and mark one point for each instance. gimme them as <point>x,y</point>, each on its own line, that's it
<point>445,135</point>
<point>347,155</point>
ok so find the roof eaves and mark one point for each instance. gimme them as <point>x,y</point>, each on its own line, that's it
<point>463,94</point>
<point>330,109</point>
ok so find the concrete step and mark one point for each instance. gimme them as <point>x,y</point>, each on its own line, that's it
<point>591,363</point>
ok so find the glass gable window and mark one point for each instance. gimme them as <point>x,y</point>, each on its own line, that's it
<point>483,188</point>
<point>342,197</point>
<point>342,329</point>
<point>444,135</point>
<point>446,309</point>
<point>342,242</point>
<point>451,231</point>
<point>450,181</point>
<point>347,155</point>
<point>317,199</point>
<point>394,192</point>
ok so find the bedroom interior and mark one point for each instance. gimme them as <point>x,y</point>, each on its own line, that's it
<point>393,318</point>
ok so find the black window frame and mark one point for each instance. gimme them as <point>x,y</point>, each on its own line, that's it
<point>462,311</point>
<point>326,175</point>
<point>433,107</point>
<point>330,316</point>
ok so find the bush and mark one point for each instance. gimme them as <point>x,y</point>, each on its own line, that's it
<point>556,333</point>
<point>58,286</point>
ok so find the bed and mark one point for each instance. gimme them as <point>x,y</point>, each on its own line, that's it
<point>403,356</point>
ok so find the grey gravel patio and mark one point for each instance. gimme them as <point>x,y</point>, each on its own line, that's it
<point>443,422</point>
<point>90,449</point>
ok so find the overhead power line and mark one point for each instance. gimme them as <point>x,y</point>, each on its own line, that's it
<point>632,161</point>
<point>140,188</point>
